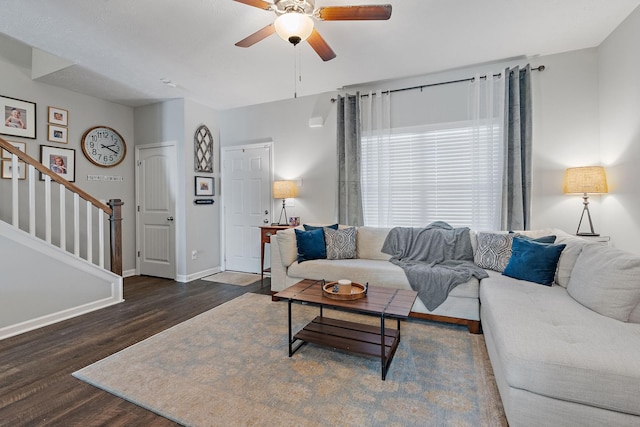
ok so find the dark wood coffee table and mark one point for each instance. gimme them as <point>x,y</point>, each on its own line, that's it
<point>351,336</point>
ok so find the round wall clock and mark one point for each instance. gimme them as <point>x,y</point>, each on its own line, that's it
<point>103,146</point>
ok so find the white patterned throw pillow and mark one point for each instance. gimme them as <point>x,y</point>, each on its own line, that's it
<point>494,250</point>
<point>341,244</point>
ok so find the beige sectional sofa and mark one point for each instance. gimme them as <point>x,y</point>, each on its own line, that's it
<point>373,267</point>
<point>563,355</point>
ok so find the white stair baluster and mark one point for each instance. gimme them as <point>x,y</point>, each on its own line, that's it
<point>101,238</point>
<point>76,224</point>
<point>63,219</point>
<point>89,234</point>
<point>14,190</point>
<point>32,200</point>
<point>47,208</point>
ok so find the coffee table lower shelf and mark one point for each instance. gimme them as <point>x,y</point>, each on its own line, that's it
<point>352,337</point>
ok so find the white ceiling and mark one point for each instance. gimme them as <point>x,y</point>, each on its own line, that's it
<point>122,48</point>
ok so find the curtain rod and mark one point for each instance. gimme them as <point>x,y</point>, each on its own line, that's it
<point>470,79</point>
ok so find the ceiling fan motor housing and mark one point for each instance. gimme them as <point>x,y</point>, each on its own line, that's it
<point>301,6</point>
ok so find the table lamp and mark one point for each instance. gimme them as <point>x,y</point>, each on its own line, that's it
<point>284,190</point>
<point>585,180</point>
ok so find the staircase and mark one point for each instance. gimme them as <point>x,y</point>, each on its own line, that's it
<point>56,258</point>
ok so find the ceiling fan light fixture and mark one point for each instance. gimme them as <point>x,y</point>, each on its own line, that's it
<point>294,27</point>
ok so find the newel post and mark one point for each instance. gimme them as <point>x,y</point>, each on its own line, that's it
<point>116,235</point>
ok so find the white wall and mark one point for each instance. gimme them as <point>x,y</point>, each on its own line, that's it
<point>619,62</point>
<point>565,117</point>
<point>299,152</point>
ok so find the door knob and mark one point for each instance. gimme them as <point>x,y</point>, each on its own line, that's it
<point>266,221</point>
<point>170,218</point>
<point>266,211</point>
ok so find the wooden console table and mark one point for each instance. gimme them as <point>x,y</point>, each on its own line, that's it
<point>266,231</point>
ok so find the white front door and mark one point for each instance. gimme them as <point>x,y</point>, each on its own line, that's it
<point>246,187</point>
<point>156,240</point>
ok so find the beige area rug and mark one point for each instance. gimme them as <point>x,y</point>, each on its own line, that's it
<point>230,367</point>
<point>233,278</point>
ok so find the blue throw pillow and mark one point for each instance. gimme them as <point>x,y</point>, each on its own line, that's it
<point>544,239</point>
<point>308,227</point>
<point>310,244</point>
<point>533,261</point>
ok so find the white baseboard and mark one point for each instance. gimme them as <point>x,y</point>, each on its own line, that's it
<point>190,277</point>
<point>129,273</point>
<point>49,319</point>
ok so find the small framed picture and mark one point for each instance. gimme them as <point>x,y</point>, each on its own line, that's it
<point>59,160</point>
<point>7,170</point>
<point>19,145</point>
<point>57,134</point>
<point>19,117</point>
<point>58,116</point>
<point>204,186</point>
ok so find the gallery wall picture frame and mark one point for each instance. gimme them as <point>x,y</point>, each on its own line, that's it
<point>57,134</point>
<point>59,160</point>
<point>19,117</point>
<point>7,169</point>
<point>204,186</point>
<point>19,145</point>
<point>58,116</point>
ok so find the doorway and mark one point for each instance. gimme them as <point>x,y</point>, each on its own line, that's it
<point>156,210</point>
<point>246,191</point>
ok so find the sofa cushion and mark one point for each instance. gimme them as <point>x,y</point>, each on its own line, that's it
<point>369,241</point>
<point>341,244</point>
<point>287,245</point>
<point>606,280</point>
<point>533,261</point>
<point>310,244</point>
<point>374,272</point>
<point>550,345</point>
<point>494,250</point>
<point>568,257</point>
<point>309,227</point>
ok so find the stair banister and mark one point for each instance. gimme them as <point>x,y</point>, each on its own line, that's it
<point>113,209</point>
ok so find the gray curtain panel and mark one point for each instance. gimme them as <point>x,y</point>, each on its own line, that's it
<point>516,203</point>
<point>349,189</point>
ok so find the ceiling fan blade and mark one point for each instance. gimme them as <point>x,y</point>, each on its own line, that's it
<point>257,36</point>
<point>256,3</point>
<point>320,46</point>
<point>354,13</point>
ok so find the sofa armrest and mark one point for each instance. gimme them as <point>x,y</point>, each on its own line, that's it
<point>278,271</point>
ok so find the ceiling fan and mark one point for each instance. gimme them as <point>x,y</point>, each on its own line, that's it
<point>294,22</point>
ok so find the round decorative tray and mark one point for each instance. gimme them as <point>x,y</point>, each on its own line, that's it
<point>357,291</point>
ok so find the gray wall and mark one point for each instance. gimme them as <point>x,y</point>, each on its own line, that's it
<point>197,226</point>
<point>84,112</point>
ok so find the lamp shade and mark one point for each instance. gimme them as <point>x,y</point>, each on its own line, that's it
<point>284,189</point>
<point>586,179</point>
<point>294,27</point>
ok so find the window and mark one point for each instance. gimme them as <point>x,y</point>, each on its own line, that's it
<point>445,172</point>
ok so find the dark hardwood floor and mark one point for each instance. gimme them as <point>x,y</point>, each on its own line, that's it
<point>36,386</point>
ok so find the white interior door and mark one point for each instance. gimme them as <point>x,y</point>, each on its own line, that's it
<point>246,185</point>
<point>156,211</point>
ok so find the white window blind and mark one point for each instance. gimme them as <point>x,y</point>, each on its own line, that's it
<point>446,172</point>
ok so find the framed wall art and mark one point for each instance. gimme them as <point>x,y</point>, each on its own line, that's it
<point>19,117</point>
<point>59,160</point>
<point>204,186</point>
<point>19,145</point>
<point>58,116</point>
<point>203,149</point>
<point>7,170</point>
<point>57,134</point>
